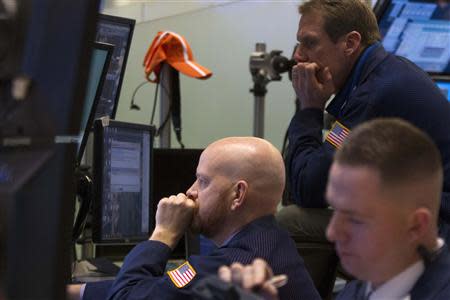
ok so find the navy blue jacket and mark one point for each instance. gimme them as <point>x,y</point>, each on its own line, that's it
<point>384,86</point>
<point>142,274</point>
<point>434,284</point>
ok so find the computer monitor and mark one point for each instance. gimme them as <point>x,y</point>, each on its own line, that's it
<point>418,30</point>
<point>100,60</point>
<point>444,85</point>
<point>48,42</point>
<point>122,204</point>
<point>174,172</point>
<point>117,31</point>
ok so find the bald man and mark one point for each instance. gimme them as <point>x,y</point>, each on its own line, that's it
<point>239,184</point>
<point>385,186</point>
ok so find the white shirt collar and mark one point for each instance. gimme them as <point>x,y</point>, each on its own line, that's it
<point>400,285</point>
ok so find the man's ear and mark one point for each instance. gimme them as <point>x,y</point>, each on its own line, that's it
<point>420,224</point>
<point>352,42</point>
<point>240,192</point>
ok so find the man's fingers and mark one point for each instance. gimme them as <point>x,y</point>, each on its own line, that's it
<point>224,273</point>
<point>248,279</point>
<point>327,74</point>
<point>262,271</point>
<point>269,291</point>
<point>236,273</point>
<point>257,276</point>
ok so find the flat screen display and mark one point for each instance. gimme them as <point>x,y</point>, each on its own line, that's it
<point>122,206</point>
<point>117,31</point>
<point>418,31</point>
<point>100,59</point>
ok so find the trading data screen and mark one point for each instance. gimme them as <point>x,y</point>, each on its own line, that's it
<point>118,32</point>
<point>419,31</point>
<point>125,193</point>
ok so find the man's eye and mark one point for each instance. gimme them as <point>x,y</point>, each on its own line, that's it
<point>356,221</point>
<point>308,44</point>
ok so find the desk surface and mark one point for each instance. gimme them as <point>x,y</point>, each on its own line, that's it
<point>85,271</point>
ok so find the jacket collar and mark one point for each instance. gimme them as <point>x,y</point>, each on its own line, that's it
<point>369,59</point>
<point>435,277</point>
<point>261,223</point>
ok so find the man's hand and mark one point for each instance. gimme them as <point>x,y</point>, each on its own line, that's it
<point>255,277</point>
<point>73,291</point>
<point>173,217</point>
<point>312,84</point>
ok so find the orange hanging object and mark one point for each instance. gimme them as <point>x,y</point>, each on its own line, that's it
<point>172,48</point>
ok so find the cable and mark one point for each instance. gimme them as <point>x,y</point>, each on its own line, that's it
<point>132,104</point>
<point>175,114</point>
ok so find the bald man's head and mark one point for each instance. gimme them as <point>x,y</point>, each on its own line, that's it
<point>253,160</point>
<point>239,179</point>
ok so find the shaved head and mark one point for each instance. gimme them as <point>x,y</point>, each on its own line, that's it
<point>253,160</point>
<point>239,179</point>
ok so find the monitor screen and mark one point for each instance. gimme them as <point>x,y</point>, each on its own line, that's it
<point>418,30</point>
<point>118,32</point>
<point>444,86</point>
<point>122,205</point>
<point>100,59</point>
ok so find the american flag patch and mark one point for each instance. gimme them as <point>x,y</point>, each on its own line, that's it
<point>182,275</point>
<point>337,134</point>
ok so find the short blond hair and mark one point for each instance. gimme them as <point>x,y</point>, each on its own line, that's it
<point>343,16</point>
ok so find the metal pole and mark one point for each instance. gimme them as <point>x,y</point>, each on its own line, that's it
<point>258,118</point>
<point>258,62</point>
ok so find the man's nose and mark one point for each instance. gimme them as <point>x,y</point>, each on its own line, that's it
<point>300,55</point>
<point>192,192</point>
<point>334,229</point>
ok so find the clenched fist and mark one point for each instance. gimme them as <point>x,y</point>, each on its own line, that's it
<point>173,217</point>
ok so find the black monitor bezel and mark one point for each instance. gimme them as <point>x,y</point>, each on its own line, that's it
<point>99,125</point>
<point>445,78</point>
<point>89,125</point>
<point>380,8</point>
<point>131,24</point>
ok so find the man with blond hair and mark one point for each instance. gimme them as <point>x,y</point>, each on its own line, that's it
<point>339,53</point>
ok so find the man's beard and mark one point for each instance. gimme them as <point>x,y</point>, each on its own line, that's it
<point>208,227</point>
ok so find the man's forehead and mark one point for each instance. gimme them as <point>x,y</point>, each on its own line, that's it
<point>208,162</point>
<point>310,26</point>
<point>349,181</point>
<point>356,189</point>
<point>346,204</point>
